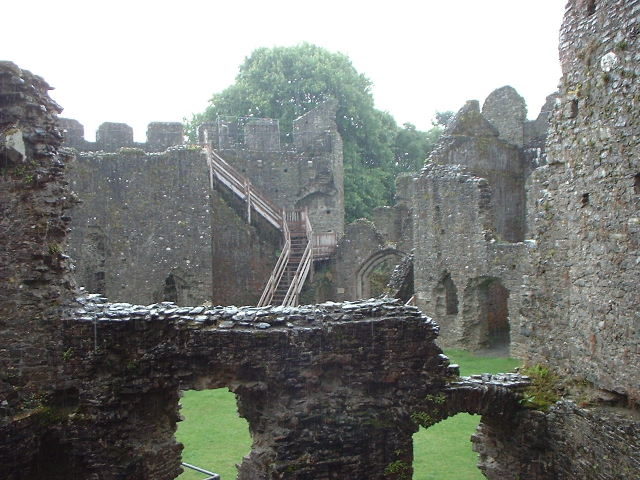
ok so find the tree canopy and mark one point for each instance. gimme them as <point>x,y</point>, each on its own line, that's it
<point>286,82</point>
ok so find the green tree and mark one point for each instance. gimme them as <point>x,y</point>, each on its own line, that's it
<point>441,119</point>
<point>286,82</point>
<point>412,146</point>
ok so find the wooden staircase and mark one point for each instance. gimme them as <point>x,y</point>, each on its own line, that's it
<point>299,261</point>
<point>294,264</point>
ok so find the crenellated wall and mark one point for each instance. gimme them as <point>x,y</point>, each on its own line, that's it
<point>89,388</point>
<point>152,226</point>
<point>112,136</point>
<point>306,172</point>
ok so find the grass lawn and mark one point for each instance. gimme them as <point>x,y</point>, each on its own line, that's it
<point>216,439</point>
<point>214,436</point>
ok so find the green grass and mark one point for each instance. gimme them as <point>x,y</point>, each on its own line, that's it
<point>216,438</point>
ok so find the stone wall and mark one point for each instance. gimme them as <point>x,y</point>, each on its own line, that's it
<point>369,250</point>
<point>90,388</point>
<point>457,259</point>
<point>582,291</point>
<point>322,392</point>
<point>361,257</point>
<point>150,226</point>
<point>506,110</point>
<point>566,443</point>
<point>144,225</point>
<point>329,391</point>
<point>468,207</point>
<point>34,272</point>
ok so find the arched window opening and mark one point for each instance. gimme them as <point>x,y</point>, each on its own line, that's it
<point>446,296</point>
<point>170,292</point>
<point>373,276</point>
<point>214,436</point>
<point>444,450</point>
<point>380,275</point>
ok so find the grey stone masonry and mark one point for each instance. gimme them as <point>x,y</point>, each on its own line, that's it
<point>581,298</point>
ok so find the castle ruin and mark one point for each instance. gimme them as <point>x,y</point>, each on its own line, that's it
<point>549,233</point>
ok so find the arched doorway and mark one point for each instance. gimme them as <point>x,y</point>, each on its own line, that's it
<point>173,289</point>
<point>215,437</point>
<point>445,296</point>
<point>486,314</point>
<point>374,274</point>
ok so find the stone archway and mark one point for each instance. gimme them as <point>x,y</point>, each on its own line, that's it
<point>375,272</point>
<point>173,289</point>
<point>485,315</point>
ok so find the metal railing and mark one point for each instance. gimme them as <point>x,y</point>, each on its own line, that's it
<point>212,476</point>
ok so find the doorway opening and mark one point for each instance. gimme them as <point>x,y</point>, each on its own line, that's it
<point>486,314</point>
<point>214,436</point>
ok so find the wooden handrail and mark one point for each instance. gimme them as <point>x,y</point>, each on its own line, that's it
<point>278,270</point>
<point>291,297</point>
<point>242,187</point>
<point>322,244</point>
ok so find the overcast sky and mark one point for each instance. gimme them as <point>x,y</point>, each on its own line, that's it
<point>139,61</point>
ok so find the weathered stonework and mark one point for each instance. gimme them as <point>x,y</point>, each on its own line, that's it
<point>152,225</point>
<point>144,222</point>
<point>91,387</point>
<point>568,442</point>
<point>34,271</point>
<point>33,268</point>
<point>306,173</point>
<point>468,208</point>
<point>463,276</point>
<point>581,298</point>
<point>580,295</point>
<point>506,110</point>
<point>369,250</point>
<point>361,253</point>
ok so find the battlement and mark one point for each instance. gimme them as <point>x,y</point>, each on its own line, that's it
<point>312,132</point>
<point>112,136</point>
